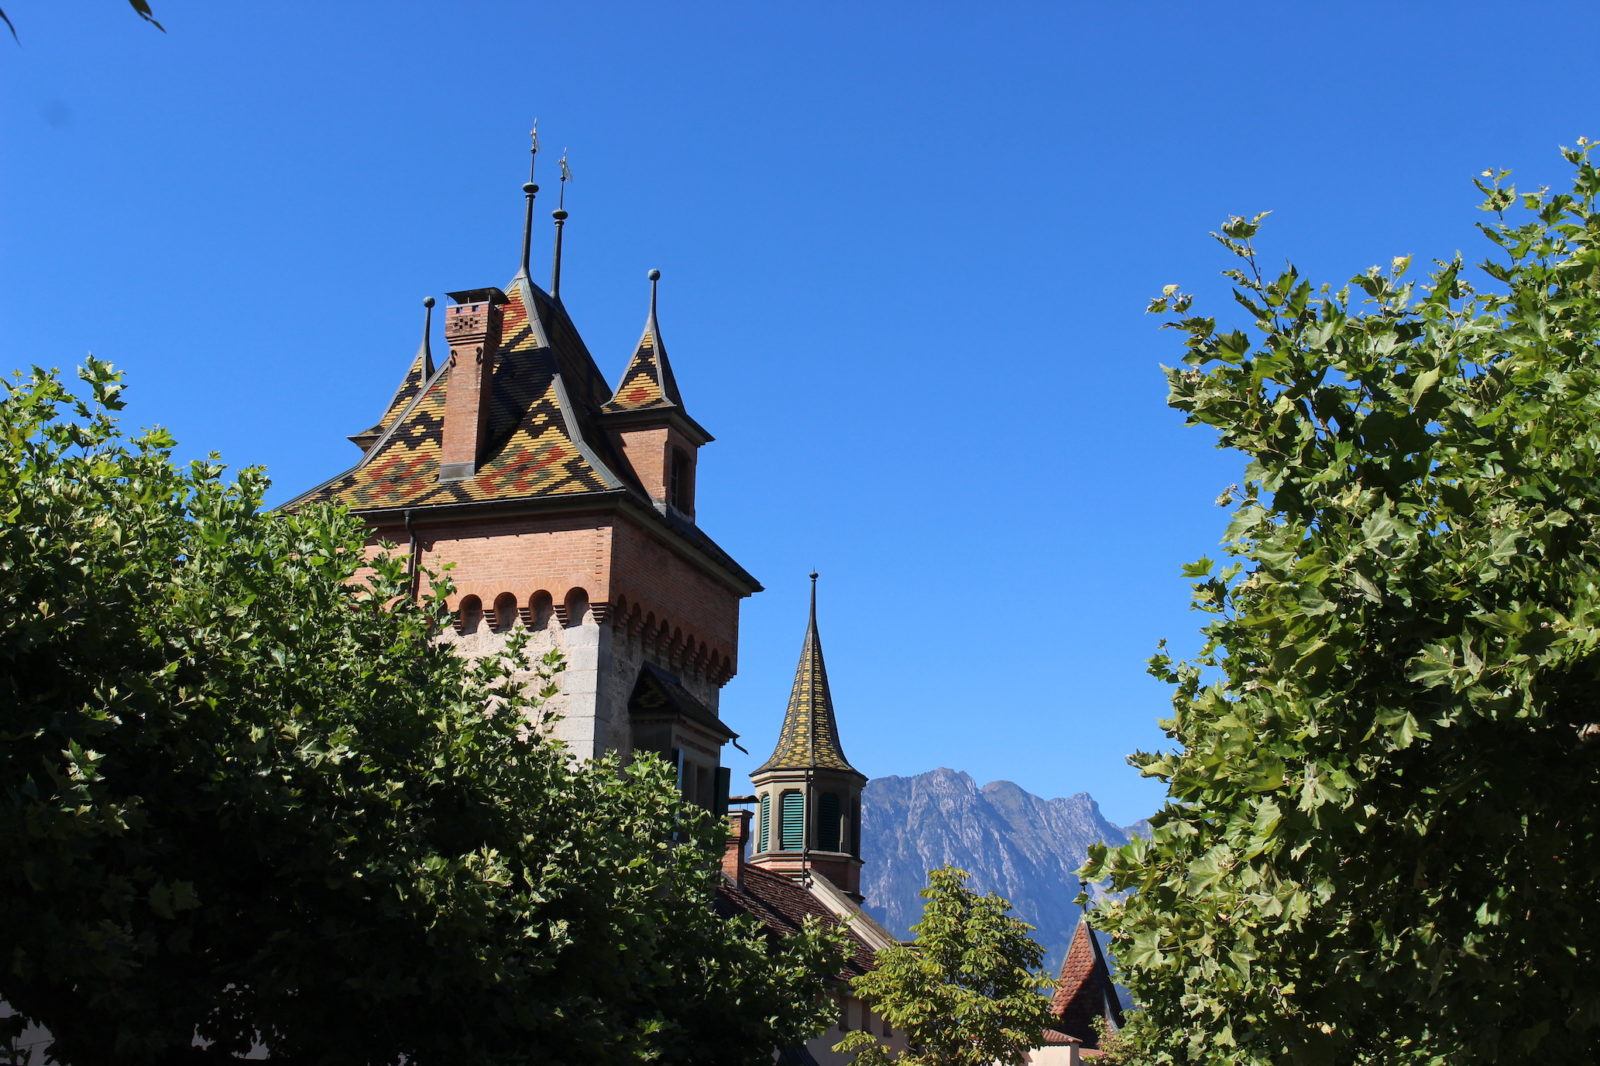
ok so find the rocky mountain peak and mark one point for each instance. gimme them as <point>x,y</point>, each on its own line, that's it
<point>1024,847</point>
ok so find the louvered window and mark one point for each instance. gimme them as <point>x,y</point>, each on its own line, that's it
<point>792,822</point>
<point>828,821</point>
<point>763,823</point>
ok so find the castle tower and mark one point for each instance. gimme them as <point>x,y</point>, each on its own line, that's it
<point>567,509</point>
<point>808,796</point>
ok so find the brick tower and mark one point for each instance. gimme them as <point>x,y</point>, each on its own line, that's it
<point>567,508</point>
<point>808,796</point>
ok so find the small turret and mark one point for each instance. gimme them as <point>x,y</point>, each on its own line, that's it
<point>808,796</point>
<point>659,439</point>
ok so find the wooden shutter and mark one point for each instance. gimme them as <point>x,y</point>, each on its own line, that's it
<point>763,823</point>
<point>792,822</point>
<point>828,821</point>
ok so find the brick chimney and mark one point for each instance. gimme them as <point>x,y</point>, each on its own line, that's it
<point>472,328</point>
<point>738,838</point>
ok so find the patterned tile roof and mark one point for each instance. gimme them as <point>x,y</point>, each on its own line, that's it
<point>1085,991</point>
<point>542,441</point>
<point>648,381</point>
<point>782,905</point>
<point>810,734</point>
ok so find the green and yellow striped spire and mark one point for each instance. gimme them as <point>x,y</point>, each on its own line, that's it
<point>810,735</point>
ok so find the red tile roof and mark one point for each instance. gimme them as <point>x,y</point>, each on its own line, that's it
<point>1084,991</point>
<point>782,906</point>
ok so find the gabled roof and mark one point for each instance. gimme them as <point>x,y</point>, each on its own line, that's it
<point>809,738</point>
<point>782,906</point>
<point>658,694</point>
<point>1085,991</point>
<point>542,437</point>
<point>648,381</point>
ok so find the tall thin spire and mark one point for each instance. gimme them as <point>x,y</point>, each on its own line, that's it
<point>809,738</point>
<point>560,215</point>
<point>529,189</point>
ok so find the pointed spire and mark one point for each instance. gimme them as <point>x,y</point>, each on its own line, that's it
<point>810,735</point>
<point>648,381</point>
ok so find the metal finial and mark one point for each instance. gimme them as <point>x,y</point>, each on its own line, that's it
<point>427,332</point>
<point>813,599</point>
<point>654,276</point>
<point>566,176</point>
<point>529,190</point>
<point>560,216</point>
<point>533,147</point>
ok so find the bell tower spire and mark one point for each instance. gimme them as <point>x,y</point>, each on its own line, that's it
<point>808,796</point>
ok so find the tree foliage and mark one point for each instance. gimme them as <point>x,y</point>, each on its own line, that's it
<point>965,992</point>
<point>249,799</point>
<point>1380,839</point>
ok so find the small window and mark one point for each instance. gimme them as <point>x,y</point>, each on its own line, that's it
<point>828,821</point>
<point>763,823</point>
<point>680,482</point>
<point>792,822</point>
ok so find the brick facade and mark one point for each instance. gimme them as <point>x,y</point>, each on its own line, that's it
<point>556,507</point>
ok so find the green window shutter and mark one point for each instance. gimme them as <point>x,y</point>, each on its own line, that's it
<point>763,823</point>
<point>719,802</point>
<point>792,822</point>
<point>828,821</point>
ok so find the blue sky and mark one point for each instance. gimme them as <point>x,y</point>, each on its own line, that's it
<point>906,250</point>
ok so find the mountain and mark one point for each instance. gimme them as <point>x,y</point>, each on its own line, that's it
<point>1014,843</point>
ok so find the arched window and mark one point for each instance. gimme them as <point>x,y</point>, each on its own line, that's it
<point>791,822</point>
<point>764,822</point>
<point>828,822</point>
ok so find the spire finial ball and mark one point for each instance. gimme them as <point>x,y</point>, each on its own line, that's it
<point>813,575</point>
<point>427,301</point>
<point>654,275</point>
<point>529,187</point>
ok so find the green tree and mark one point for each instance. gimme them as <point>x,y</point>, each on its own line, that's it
<point>1380,839</point>
<point>965,992</point>
<point>247,798</point>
